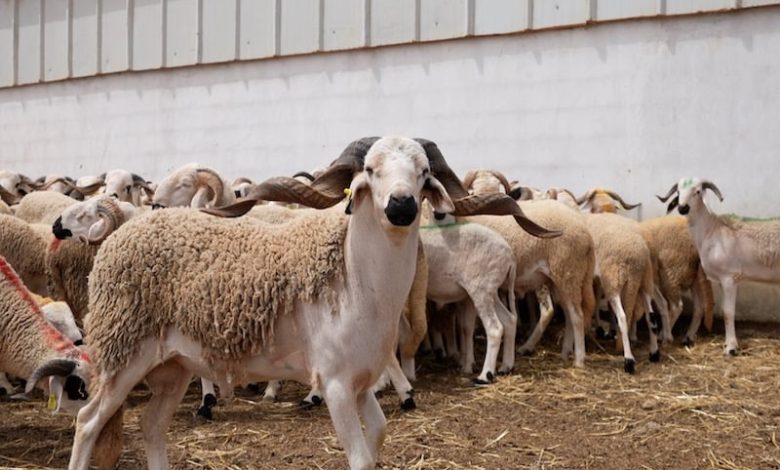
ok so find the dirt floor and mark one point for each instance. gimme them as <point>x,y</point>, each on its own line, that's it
<point>696,409</point>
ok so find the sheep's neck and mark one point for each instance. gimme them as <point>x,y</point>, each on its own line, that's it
<point>380,266</point>
<point>702,223</point>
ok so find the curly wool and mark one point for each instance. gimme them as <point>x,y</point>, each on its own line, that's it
<point>26,339</point>
<point>69,263</point>
<point>678,260</point>
<point>222,282</point>
<point>25,250</point>
<point>43,207</point>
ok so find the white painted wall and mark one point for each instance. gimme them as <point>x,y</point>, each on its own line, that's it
<point>632,106</point>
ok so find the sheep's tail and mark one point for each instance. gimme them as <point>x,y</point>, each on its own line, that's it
<point>108,447</point>
<point>706,300</point>
<point>588,296</point>
<point>416,303</point>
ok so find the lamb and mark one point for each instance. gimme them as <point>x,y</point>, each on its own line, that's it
<point>624,271</point>
<point>25,250</point>
<point>193,186</point>
<point>326,313</point>
<point>30,347</point>
<point>43,207</point>
<point>468,264</point>
<point>731,249</point>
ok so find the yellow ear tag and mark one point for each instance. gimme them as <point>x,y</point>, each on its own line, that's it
<point>52,402</point>
<point>348,193</point>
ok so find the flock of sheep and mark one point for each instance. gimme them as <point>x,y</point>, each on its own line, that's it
<point>336,284</point>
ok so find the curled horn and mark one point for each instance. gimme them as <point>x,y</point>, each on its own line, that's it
<point>502,179</point>
<point>619,199</point>
<point>585,197</point>
<point>304,174</point>
<point>468,180</point>
<point>325,191</point>
<point>488,204</point>
<point>59,179</point>
<point>500,204</point>
<point>669,194</point>
<point>8,197</point>
<point>108,210</point>
<point>213,181</point>
<point>241,180</point>
<point>59,367</point>
<point>141,183</point>
<point>92,188</point>
<point>711,186</point>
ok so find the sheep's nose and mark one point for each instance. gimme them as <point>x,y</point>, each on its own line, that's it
<point>59,232</point>
<point>401,210</point>
<point>684,209</point>
<point>439,215</point>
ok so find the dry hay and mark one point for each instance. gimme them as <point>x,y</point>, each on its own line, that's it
<point>696,409</point>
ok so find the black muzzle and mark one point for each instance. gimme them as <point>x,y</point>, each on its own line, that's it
<point>684,209</point>
<point>76,388</point>
<point>59,232</point>
<point>401,211</point>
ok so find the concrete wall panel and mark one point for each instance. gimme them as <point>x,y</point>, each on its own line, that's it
<point>181,33</point>
<point>257,29</point>
<point>343,24</point>
<point>56,40</point>
<point>443,19</point>
<point>84,38</point>
<point>147,34</point>
<point>500,16</point>
<point>7,45</point>
<point>300,24</point>
<point>30,48</point>
<point>392,22</point>
<point>114,36</point>
<point>219,30</point>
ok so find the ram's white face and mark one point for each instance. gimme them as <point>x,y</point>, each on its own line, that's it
<point>689,192</point>
<point>119,184</point>
<point>71,393</point>
<point>395,178</point>
<point>9,181</point>
<point>176,190</point>
<point>78,220</point>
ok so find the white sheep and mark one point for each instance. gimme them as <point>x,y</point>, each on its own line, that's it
<point>43,207</point>
<point>193,185</point>
<point>119,183</point>
<point>31,348</point>
<point>731,249</point>
<point>25,250</point>
<point>469,263</point>
<point>326,312</point>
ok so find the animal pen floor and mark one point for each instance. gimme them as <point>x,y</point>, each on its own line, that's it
<point>696,409</point>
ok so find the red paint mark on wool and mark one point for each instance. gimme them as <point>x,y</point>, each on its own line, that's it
<point>54,245</point>
<point>53,338</point>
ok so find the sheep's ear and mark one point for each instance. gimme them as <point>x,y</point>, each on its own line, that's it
<point>673,204</point>
<point>358,190</point>
<point>434,191</point>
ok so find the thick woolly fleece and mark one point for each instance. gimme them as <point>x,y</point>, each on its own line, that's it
<point>25,250</point>
<point>678,260</point>
<point>27,340</point>
<point>222,282</point>
<point>43,207</point>
<point>69,263</point>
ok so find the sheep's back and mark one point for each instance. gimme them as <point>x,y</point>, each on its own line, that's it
<point>222,282</point>
<point>23,248</point>
<point>43,207</point>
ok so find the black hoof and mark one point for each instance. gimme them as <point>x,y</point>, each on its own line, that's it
<point>209,401</point>
<point>629,365</point>
<point>688,342</point>
<point>408,404</point>
<point>504,371</point>
<point>490,378</point>
<point>655,356</point>
<point>205,412</point>
<point>315,401</point>
<point>254,388</point>
<point>733,352</point>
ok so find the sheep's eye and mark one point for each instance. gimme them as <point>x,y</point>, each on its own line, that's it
<point>127,189</point>
<point>370,171</point>
<point>426,172</point>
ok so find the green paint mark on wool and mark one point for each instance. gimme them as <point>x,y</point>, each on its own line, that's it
<point>435,226</point>
<point>751,219</point>
<point>687,183</point>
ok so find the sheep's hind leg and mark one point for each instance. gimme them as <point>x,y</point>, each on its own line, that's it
<point>494,331</point>
<point>577,332</point>
<point>654,322</point>
<point>343,409</point>
<point>208,399</point>
<point>401,385</point>
<point>508,321</point>
<point>168,384</point>
<point>629,363</point>
<point>546,315</point>
<point>272,390</point>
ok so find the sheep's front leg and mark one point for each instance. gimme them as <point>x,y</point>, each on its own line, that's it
<point>729,311</point>
<point>466,318</point>
<point>374,419</point>
<point>5,385</point>
<point>494,330</point>
<point>272,389</point>
<point>576,333</point>
<point>343,409</point>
